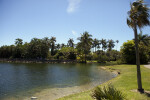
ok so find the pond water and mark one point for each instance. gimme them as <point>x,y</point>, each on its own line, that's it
<point>20,81</point>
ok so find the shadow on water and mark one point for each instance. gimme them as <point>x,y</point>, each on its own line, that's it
<point>26,79</point>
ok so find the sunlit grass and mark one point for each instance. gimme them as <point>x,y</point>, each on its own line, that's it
<point>124,82</point>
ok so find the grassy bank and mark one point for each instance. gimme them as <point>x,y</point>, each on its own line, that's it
<point>125,82</point>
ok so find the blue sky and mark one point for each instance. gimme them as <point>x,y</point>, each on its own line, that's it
<point>65,19</point>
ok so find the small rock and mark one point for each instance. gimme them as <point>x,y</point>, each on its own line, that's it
<point>33,98</point>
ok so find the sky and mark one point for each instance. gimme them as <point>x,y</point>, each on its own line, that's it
<point>64,19</point>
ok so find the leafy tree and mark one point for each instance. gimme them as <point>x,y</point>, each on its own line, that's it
<point>18,49</point>
<point>70,43</point>
<point>45,47</point>
<point>138,18</point>
<point>128,52</point>
<point>52,44</point>
<point>68,53</point>
<point>34,49</point>
<point>85,44</point>
<point>63,45</point>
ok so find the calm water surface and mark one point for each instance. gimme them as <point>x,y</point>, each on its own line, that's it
<point>21,80</point>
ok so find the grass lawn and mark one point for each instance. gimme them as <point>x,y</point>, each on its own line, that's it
<point>125,82</point>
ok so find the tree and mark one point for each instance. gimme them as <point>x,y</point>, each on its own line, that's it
<point>104,44</point>
<point>117,41</point>
<point>95,43</point>
<point>34,48</point>
<point>128,52</point>
<point>52,44</point>
<point>138,18</point>
<point>110,44</point>
<point>18,41</point>
<point>67,53</point>
<point>85,44</point>
<point>70,43</point>
<point>144,38</point>
<point>45,42</point>
<point>18,49</point>
<point>58,46</point>
<point>63,45</point>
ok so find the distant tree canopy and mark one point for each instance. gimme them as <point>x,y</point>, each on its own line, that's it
<point>128,52</point>
<point>47,48</point>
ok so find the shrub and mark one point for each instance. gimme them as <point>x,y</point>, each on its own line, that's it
<point>107,93</point>
<point>128,52</point>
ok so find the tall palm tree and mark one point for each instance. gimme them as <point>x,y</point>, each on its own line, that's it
<point>138,18</point>
<point>52,44</point>
<point>104,44</point>
<point>95,43</point>
<point>18,41</point>
<point>110,44</point>
<point>117,41</point>
<point>70,43</point>
<point>85,43</point>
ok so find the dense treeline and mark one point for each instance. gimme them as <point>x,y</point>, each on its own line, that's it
<point>128,50</point>
<point>86,49</point>
<point>46,48</point>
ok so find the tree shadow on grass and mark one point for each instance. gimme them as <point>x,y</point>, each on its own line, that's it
<point>147,93</point>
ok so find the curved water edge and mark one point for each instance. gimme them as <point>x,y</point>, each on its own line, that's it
<point>46,81</point>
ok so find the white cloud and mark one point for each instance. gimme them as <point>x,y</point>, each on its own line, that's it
<point>74,33</point>
<point>73,5</point>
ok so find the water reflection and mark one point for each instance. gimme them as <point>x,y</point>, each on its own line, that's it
<point>17,79</point>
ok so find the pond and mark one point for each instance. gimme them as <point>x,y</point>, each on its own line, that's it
<point>22,81</point>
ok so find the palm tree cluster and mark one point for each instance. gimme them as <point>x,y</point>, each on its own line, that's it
<point>47,47</point>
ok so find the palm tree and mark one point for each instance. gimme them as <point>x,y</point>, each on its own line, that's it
<point>63,45</point>
<point>58,46</point>
<point>95,43</point>
<point>144,38</point>
<point>18,41</point>
<point>85,44</point>
<point>104,44</point>
<point>52,44</point>
<point>110,44</point>
<point>117,41</point>
<point>70,43</point>
<point>138,18</point>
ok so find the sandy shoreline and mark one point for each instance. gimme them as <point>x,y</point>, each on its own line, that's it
<point>55,93</point>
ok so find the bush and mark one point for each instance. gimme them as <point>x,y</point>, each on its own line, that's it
<point>103,58</point>
<point>107,93</point>
<point>128,52</point>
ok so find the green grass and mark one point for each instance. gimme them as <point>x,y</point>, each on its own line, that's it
<point>124,82</point>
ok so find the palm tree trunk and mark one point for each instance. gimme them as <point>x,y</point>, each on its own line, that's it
<point>140,89</point>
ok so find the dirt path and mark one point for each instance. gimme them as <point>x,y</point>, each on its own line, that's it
<point>147,66</point>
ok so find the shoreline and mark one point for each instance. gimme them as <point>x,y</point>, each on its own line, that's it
<point>57,93</point>
<point>113,71</point>
<point>36,61</point>
<point>63,92</point>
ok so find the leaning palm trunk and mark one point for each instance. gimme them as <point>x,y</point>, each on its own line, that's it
<point>140,89</point>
